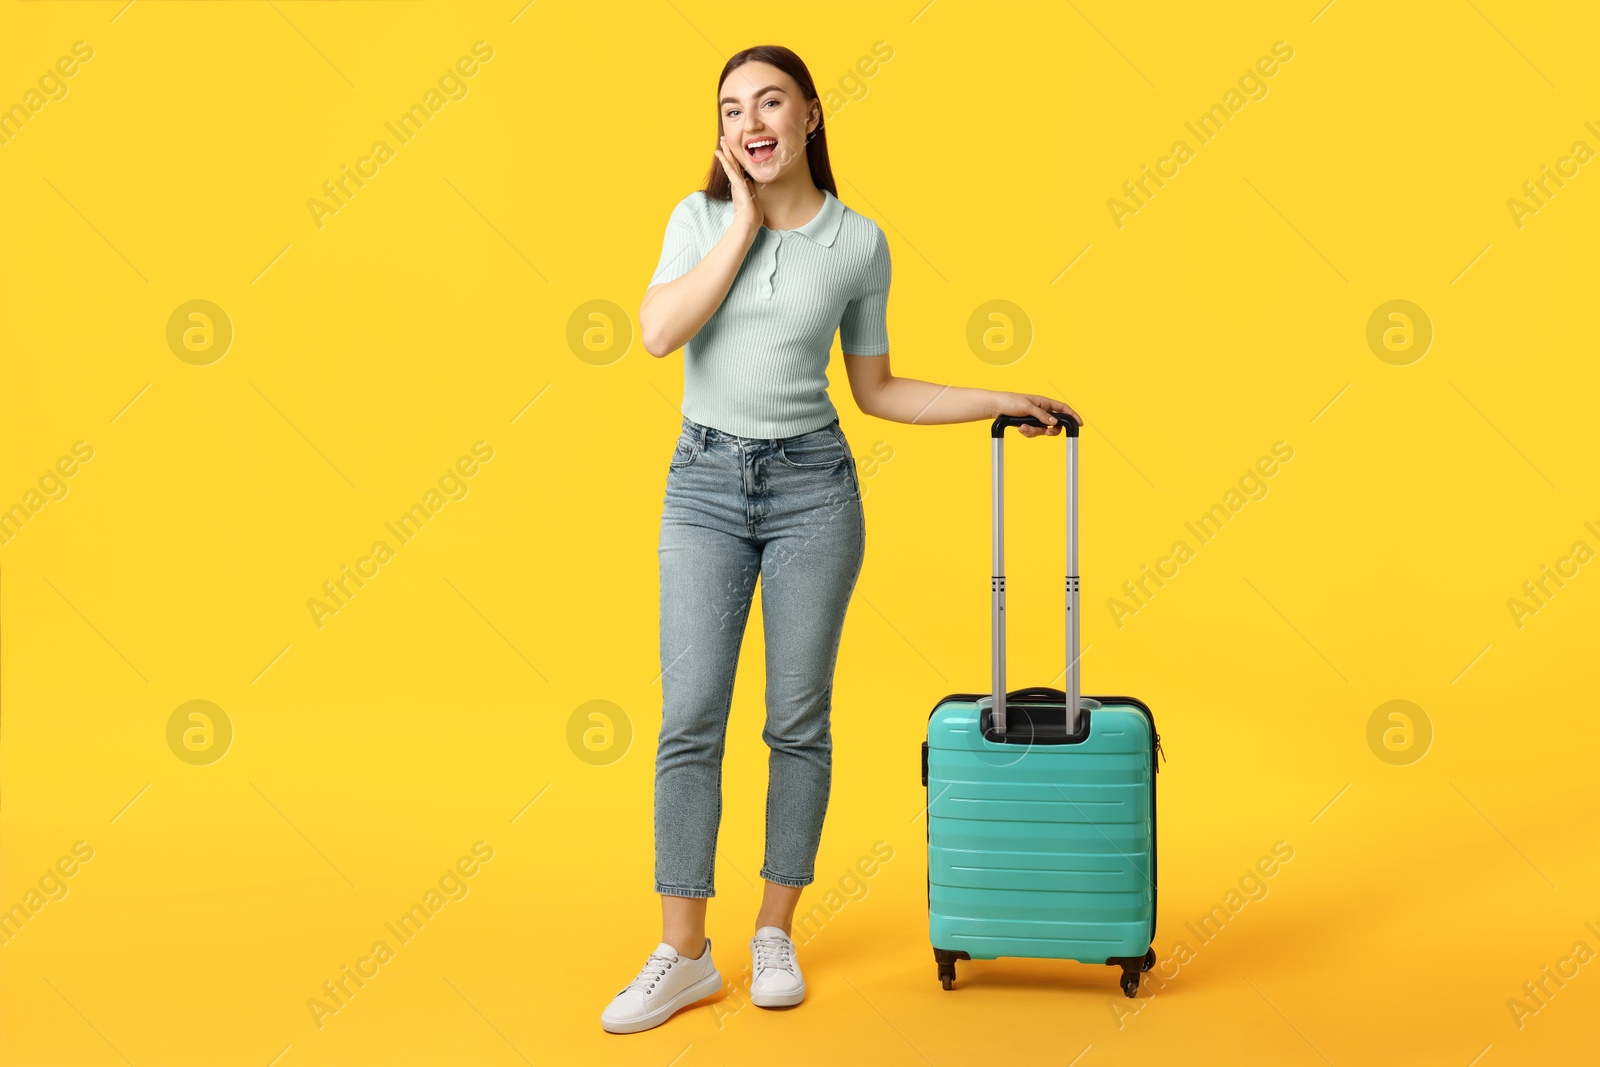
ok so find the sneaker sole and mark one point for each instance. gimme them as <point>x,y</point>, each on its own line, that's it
<point>703,988</point>
<point>778,1000</point>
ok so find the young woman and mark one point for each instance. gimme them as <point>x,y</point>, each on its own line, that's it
<point>757,273</point>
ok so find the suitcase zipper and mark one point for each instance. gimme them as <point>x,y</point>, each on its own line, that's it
<point>1162,754</point>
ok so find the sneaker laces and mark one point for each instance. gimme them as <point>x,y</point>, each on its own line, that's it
<point>775,952</point>
<point>650,973</point>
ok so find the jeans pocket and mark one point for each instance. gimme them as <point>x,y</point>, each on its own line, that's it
<point>687,451</point>
<point>820,450</point>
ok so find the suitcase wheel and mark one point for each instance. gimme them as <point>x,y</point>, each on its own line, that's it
<point>1132,968</point>
<point>947,966</point>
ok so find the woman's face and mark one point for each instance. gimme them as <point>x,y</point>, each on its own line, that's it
<point>765,119</point>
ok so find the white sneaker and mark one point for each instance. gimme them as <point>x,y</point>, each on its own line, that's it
<point>777,981</point>
<point>668,981</point>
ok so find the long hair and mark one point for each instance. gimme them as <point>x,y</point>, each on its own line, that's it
<point>816,149</point>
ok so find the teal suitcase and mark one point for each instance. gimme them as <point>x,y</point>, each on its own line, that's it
<point>1041,817</point>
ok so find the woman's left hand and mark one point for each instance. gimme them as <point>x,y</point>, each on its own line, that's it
<point>1042,408</point>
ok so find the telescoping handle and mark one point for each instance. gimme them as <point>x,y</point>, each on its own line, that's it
<point>1071,687</point>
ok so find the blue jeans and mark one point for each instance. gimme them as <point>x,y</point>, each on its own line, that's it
<point>789,510</point>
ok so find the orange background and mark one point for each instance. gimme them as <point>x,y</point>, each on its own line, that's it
<point>347,366</point>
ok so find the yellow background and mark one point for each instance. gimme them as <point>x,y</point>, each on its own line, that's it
<point>428,314</point>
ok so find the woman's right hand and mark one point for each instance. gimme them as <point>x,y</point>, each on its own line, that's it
<point>747,209</point>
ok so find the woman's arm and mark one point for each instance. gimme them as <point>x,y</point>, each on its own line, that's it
<point>878,392</point>
<point>674,311</point>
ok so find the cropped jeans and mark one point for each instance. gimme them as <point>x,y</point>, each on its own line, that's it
<point>789,511</point>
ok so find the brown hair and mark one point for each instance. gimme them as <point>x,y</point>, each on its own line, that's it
<point>816,148</point>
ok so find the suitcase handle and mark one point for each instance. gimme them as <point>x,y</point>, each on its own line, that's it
<point>1037,692</point>
<point>1040,694</point>
<point>1069,425</point>
<point>1073,690</point>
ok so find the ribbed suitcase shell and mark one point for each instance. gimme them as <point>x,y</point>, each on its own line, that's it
<point>1042,850</point>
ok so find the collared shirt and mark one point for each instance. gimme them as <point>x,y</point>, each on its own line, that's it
<point>758,367</point>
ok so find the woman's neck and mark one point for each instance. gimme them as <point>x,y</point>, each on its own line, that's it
<point>792,202</point>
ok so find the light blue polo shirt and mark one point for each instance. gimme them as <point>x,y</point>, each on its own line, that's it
<point>758,367</point>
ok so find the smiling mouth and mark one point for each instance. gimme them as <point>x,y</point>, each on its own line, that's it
<point>761,150</point>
